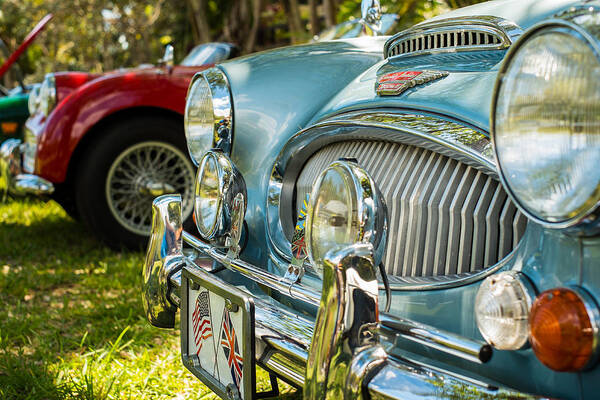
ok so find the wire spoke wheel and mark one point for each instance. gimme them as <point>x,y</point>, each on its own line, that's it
<point>143,172</point>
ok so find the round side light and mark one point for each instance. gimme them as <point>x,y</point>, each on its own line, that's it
<point>564,329</point>
<point>502,309</point>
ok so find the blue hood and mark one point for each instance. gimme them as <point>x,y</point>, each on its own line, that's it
<point>466,92</point>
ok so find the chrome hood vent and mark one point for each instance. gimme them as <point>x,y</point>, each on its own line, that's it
<point>453,35</point>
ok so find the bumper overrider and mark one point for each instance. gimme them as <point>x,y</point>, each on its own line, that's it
<point>17,182</point>
<point>341,352</point>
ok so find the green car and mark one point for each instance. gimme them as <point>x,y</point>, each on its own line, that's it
<point>14,104</point>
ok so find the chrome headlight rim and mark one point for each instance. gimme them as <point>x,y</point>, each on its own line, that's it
<point>222,111</point>
<point>369,211</point>
<point>585,221</point>
<point>46,100</point>
<point>231,186</point>
<point>33,102</point>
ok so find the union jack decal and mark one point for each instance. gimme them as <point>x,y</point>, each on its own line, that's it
<point>298,243</point>
<point>201,324</point>
<point>229,344</point>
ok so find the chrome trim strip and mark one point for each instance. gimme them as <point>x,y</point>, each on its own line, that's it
<point>431,337</point>
<point>453,35</point>
<point>295,290</point>
<point>401,379</point>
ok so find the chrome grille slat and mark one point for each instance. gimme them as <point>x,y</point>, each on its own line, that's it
<point>433,215</point>
<point>446,218</point>
<point>421,224</point>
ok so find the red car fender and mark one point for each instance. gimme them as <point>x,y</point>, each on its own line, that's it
<point>93,102</point>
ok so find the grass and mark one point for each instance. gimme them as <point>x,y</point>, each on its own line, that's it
<point>71,318</point>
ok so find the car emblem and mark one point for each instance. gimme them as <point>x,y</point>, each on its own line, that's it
<point>395,83</point>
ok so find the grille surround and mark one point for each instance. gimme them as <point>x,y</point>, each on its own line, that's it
<point>453,35</point>
<point>449,137</point>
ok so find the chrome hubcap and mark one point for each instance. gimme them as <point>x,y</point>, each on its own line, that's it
<point>142,172</point>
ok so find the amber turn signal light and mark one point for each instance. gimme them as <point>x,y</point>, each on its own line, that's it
<point>9,128</point>
<point>563,329</point>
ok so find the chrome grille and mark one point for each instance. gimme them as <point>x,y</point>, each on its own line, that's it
<point>445,217</point>
<point>452,39</point>
<point>457,34</point>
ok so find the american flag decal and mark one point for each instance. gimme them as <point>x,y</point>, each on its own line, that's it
<point>230,347</point>
<point>201,320</point>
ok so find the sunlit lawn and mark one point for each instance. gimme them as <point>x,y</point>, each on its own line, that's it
<point>71,319</point>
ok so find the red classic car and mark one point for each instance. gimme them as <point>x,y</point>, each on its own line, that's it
<point>103,146</point>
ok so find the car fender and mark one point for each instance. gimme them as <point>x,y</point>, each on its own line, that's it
<point>84,108</point>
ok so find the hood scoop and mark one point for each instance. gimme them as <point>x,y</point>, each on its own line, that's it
<point>453,35</point>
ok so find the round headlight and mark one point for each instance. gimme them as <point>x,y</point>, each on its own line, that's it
<point>47,96</point>
<point>546,125</point>
<point>345,208</point>
<point>502,310</point>
<point>33,100</point>
<point>218,186</point>
<point>208,114</point>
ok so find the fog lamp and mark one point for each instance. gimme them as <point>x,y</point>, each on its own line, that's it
<point>219,190</point>
<point>564,329</point>
<point>502,309</point>
<point>345,208</point>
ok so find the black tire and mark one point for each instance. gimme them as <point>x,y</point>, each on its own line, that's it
<point>65,197</point>
<point>111,187</point>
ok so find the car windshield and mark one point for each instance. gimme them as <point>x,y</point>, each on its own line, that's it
<point>205,54</point>
<point>354,28</point>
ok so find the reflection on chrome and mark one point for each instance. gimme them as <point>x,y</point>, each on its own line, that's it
<point>220,196</point>
<point>164,256</point>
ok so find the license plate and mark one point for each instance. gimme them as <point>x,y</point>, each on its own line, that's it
<point>217,334</point>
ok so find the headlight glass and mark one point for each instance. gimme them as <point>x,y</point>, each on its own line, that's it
<point>547,126</point>
<point>199,119</point>
<point>502,310</point>
<point>207,197</point>
<point>333,220</point>
<point>47,97</point>
<point>32,101</point>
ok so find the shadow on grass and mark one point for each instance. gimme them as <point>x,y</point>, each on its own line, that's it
<point>72,322</point>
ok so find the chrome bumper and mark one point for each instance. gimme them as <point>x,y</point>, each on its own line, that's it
<point>18,183</point>
<point>339,353</point>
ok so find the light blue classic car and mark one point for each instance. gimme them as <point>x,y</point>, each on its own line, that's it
<point>405,217</point>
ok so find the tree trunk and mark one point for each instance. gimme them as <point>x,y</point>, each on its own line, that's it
<point>198,9</point>
<point>294,21</point>
<point>315,27</point>
<point>330,13</point>
<point>251,40</point>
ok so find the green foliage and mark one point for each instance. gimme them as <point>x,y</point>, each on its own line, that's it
<point>93,35</point>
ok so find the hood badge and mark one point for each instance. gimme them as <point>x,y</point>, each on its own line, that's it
<point>396,83</point>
